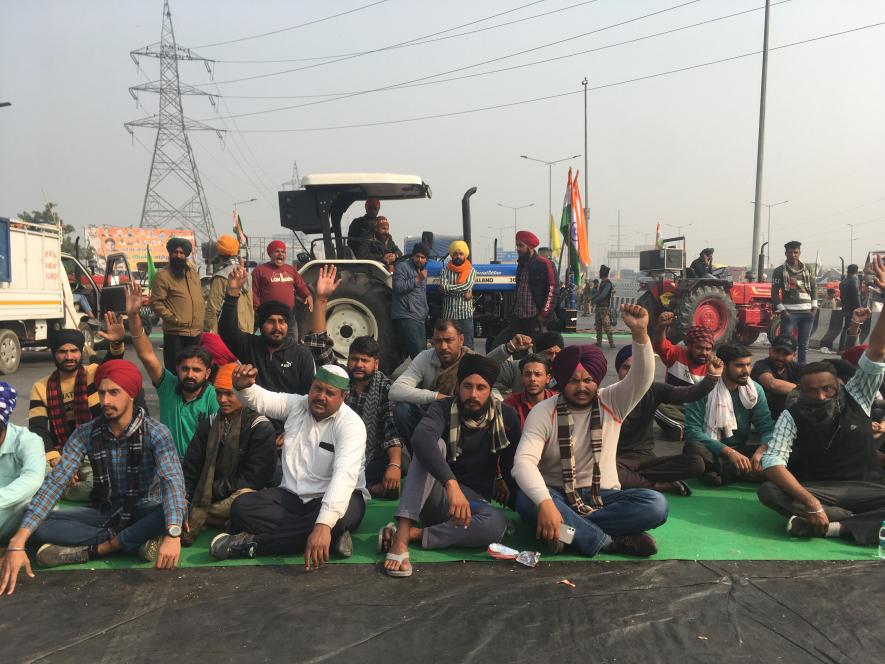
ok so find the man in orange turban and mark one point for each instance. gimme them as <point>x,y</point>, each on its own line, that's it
<point>228,249</point>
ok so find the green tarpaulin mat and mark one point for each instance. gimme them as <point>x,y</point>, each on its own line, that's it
<point>725,523</point>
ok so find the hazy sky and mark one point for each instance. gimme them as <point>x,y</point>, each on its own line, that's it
<point>679,149</point>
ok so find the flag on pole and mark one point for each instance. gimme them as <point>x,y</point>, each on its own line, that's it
<point>580,224</point>
<point>151,268</point>
<point>569,230</point>
<point>555,242</point>
<point>659,241</point>
<point>242,238</point>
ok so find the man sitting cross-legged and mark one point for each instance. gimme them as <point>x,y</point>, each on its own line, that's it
<point>718,426</point>
<point>368,395</point>
<point>232,452</point>
<point>638,466</point>
<point>138,494</point>
<point>457,448</point>
<point>565,463</point>
<point>822,467</point>
<point>323,494</point>
<point>535,372</point>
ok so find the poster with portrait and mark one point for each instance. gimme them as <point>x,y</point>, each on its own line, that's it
<point>133,242</point>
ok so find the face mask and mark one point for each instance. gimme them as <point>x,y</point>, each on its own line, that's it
<point>819,413</point>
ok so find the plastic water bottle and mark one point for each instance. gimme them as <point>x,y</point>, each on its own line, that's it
<point>882,542</point>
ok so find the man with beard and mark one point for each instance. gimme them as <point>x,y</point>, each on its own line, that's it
<point>323,494</point>
<point>186,397</point>
<point>139,504</point>
<point>379,246</point>
<point>822,467</point>
<point>456,281</point>
<point>602,302</point>
<point>702,266</point>
<point>565,463</point>
<point>67,398</point>
<point>232,452</point>
<point>283,364</point>
<point>228,258</point>
<point>277,281</point>
<point>778,373</point>
<point>21,466</point>
<point>408,303</point>
<point>546,344</point>
<point>362,226</point>
<point>794,296</point>
<point>686,365</point>
<point>535,288</point>
<point>638,466</point>
<point>718,426</point>
<point>368,395</point>
<point>177,298</point>
<point>431,376</point>
<point>462,446</point>
<point>535,372</point>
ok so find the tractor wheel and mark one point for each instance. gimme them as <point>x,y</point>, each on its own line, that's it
<point>359,307</point>
<point>746,336</point>
<point>708,306</point>
<point>648,302</point>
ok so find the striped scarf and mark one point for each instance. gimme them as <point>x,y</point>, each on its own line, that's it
<point>371,411</point>
<point>55,406</point>
<point>565,426</point>
<point>100,440</point>
<point>491,418</point>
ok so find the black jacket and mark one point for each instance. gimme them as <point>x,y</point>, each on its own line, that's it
<point>700,268</point>
<point>849,293</point>
<point>542,282</point>
<point>288,369</point>
<point>257,460</point>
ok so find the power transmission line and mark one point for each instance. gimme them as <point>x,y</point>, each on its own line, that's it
<point>564,94</point>
<point>515,67</point>
<point>293,27</point>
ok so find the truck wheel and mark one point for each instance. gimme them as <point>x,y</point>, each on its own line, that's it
<point>89,344</point>
<point>708,306</point>
<point>10,351</point>
<point>746,336</point>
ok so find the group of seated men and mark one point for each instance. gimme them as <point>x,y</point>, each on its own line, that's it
<point>283,456</point>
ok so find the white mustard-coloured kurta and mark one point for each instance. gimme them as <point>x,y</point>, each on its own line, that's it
<point>321,459</point>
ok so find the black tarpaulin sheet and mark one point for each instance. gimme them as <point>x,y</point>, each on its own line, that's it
<point>669,611</point>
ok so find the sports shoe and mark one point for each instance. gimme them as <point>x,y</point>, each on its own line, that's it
<point>344,545</point>
<point>148,551</point>
<point>643,545</point>
<point>53,555</point>
<point>225,545</point>
<point>797,526</point>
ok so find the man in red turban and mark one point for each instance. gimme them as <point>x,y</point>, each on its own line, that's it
<point>536,290</point>
<point>279,281</point>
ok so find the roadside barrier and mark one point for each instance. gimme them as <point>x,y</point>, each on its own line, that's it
<point>829,326</point>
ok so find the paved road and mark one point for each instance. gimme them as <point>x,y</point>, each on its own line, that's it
<point>36,364</point>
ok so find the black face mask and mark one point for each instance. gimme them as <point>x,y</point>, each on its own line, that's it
<point>819,413</point>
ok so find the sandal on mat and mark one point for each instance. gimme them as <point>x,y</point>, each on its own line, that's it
<point>400,558</point>
<point>385,537</point>
<point>682,489</point>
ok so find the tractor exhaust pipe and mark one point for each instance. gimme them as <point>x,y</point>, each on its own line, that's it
<point>842,260</point>
<point>761,262</point>
<point>465,215</point>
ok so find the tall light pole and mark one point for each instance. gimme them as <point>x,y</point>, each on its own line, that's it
<point>679,227</point>
<point>760,146</point>
<point>768,237</point>
<point>515,210</point>
<point>851,244</point>
<point>550,165</point>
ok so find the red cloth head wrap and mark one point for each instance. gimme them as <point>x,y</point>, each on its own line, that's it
<point>123,373</point>
<point>273,246</point>
<point>853,354</point>
<point>698,334</point>
<point>219,351</point>
<point>529,238</point>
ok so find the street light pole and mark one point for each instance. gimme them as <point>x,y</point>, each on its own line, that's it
<point>851,244</point>
<point>515,210</point>
<point>550,165</point>
<point>768,237</point>
<point>679,227</point>
<point>760,147</point>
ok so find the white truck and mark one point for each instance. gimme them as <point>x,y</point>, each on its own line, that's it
<point>37,287</point>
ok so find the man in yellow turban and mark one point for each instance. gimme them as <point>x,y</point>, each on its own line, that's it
<point>456,284</point>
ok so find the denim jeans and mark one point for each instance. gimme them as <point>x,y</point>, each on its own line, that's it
<point>804,320</point>
<point>412,335</point>
<point>624,512</point>
<point>467,328</point>
<point>83,526</point>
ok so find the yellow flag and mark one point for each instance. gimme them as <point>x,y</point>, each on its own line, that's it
<point>555,241</point>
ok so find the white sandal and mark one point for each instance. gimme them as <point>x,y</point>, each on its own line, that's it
<point>400,558</point>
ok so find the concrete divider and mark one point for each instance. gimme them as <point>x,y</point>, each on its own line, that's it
<point>829,326</point>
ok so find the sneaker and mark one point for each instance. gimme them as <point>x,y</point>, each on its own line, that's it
<point>344,545</point>
<point>797,526</point>
<point>148,551</point>
<point>53,555</point>
<point>643,545</point>
<point>225,545</point>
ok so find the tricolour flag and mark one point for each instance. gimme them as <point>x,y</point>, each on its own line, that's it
<point>242,238</point>
<point>569,230</point>
<point>580,222</point>
<point>659,240</point>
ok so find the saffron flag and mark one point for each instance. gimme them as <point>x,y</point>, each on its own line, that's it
<point>242,238</point>
<point>151,268</point>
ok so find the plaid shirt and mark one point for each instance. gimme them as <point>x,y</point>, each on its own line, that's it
<point>320,345</point>
<point>862,387</point>
<point>160,478</point>
<point>525,306</point>
<point>454,304</point>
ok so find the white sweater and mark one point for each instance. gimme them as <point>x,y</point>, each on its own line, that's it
<point>538,464</point>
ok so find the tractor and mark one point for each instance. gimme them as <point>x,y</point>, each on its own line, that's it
<point>733,311</point>
<point>361,304</point>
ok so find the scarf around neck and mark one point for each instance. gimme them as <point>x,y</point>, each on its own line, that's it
<point>55,406</point>
<point>372,411</point>
<point>719,420</point>
<point>565,427</point>
<point>492,418</point>
<point>462,271</point>
<point>101,439</point>
<point>447,379</point>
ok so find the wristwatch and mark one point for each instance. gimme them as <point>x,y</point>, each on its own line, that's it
<point>173,531</point>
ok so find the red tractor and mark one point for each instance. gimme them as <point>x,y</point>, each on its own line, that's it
<point>738,311</point>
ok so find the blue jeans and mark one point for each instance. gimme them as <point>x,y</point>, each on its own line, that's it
<point>406,417</point>
<point>804,320</point>
<point>83,526</point>
<point>624,512</point>
<point>412,335</point>
<point>467,328</point>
